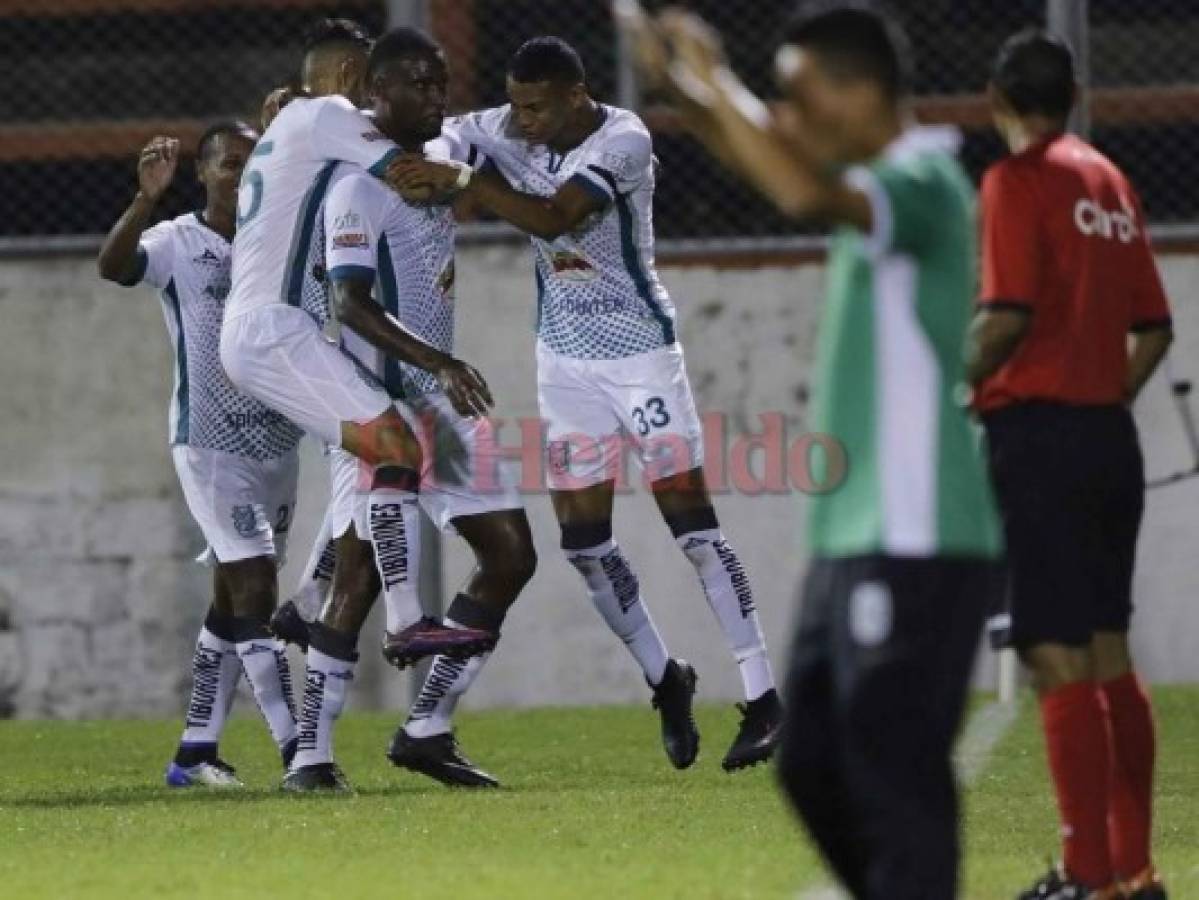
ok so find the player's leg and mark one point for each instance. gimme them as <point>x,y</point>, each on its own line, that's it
<point>651,396</point>
<point>290,621</point>
<point>278,355</point>
<point>1043,485</point>
<point>687,508</point>
<point>332,660</point>
<point>216,669</point>
<point>904,642</point>
<point>505,561</point>
<point>1129,710</point>
<point>582,457</point>
<point>811,760</point>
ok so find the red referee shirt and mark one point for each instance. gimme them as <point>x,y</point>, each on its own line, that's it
<point>1063,236</point>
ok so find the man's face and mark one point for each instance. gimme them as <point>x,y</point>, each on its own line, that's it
<point>410,97</point>
<point>220,171</point>
<point>837,115</point>
<point>542,109</point>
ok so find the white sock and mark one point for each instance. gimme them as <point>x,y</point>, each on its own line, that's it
<point>313,589</point>
<point>215,673</point>
<point>433,710</point>
<point>732,600</point>
<point>616,594</point>
<point>394,523</point>
<point>264,660</point>
<point>326,685</point>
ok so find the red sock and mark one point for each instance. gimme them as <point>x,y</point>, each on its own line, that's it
<point>1078,743</point>
<point>1130,801</point>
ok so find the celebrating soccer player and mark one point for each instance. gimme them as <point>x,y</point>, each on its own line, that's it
<point>236,459</point>
<point>1073,321</point>
<point>609,364</point>
<point>903,551</point>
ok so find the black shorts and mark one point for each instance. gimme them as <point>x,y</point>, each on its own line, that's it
<point>1070,482</point>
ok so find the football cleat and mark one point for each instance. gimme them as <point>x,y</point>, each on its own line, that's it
<point>673,697</point>
<point>429,637</point>
<point>439,757</point>
<point>321,778</point>
<point>288,752</point>
<point>760,732</point>
<point>214,774</point>
<point>288,625</point>
<point>1057,885</point>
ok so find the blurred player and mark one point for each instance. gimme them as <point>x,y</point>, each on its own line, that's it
<point>236,459</point>
<point>903,549</point>
<point>1073,322</point>
<point>273,349</point>
<point>405,252</point>
<point>609,364</point>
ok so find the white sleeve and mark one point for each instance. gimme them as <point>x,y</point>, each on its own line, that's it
<point>353,222</point>
<point>340,132</point>
<point>156,255</point>
<point>454,144</point>
<point>616,165</point>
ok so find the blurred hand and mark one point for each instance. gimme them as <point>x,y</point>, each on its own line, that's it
<point>465,388</point>
<point>156,166</point>
<point>275,101</point>
<point>649,50</point>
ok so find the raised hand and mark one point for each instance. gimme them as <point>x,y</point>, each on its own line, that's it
<point>156,166</point>
<point>465,388</point>
<point>275,101</point>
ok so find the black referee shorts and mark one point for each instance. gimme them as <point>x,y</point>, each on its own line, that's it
<point>1070,483</point>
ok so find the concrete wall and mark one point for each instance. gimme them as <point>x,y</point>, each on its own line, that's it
<point>102,602</point>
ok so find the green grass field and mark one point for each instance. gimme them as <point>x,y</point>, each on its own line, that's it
<point>590,809</point>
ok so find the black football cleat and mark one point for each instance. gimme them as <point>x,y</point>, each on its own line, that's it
<point>760,732</point>
<point>673,697</point>
<point>1057,885</point>
<point>322,778</point>
<point>438,757</point>
<point>288,753</point>
<point>429,637</point>
<point>288,625</point>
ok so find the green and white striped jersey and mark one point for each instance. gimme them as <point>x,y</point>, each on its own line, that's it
<point>890,366</point>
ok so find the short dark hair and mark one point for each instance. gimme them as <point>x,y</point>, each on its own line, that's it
<point>856,40</point>
<point>547,58</point>
<point>1034,71</point>
<point>400,43</point>
<point>231,127</point>
<point>331,32</point>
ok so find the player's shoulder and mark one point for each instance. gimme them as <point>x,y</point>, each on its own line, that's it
<point>496,122</point>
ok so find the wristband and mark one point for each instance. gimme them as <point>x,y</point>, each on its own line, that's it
<point>464,175</point>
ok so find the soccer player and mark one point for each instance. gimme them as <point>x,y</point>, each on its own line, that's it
<point>236,459</point>
<point>903,551</point>
<point>609,364</point>
<point>1072,322</point>
<point>405,252</point>
<point>273,349</point>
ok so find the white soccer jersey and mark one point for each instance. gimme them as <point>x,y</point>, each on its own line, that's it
<point>190,264</point>
<point>282,189</point>
<point>598,292</point>
<point>408,251</point>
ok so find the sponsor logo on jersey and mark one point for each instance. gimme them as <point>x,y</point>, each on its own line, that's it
<point>247,518</point>
<point>1093,220</point>
<point>257,648</point>
<point>350,240</point>
<point>210,259</point>
<point>266,418</point>
<point>572,266</point>
<point>619,164</point>
<point>597,306</point>
<point>347,220</point>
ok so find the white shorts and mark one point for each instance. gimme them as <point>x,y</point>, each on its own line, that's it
<point>243,506</point>
<point>464,473</point>
<point>278,355</point>
<point>596,409</point>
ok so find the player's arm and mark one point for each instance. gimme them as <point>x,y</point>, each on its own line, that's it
<point>543,217</point>
<point>119,258</point>
<point>995,334</point>
<point>1147,348</point>
<point>684,56</point>
<point>1151,331</point>
<point>356,309</point>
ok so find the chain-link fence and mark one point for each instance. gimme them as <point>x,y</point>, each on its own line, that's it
<point>88,81</point>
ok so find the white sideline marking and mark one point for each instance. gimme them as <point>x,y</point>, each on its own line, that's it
<point>985,730</point>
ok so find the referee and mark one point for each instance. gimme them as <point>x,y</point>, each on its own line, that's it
<point>1072,322</point>
<point>903,550</point>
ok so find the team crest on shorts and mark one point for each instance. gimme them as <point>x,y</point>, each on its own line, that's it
<point>558,457</point>
<point>245,519</point>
